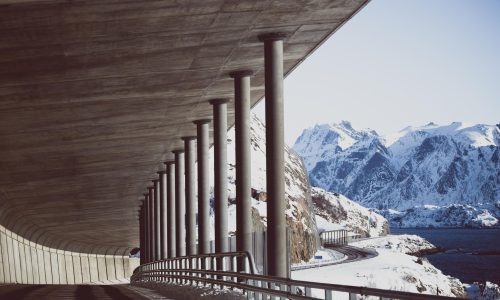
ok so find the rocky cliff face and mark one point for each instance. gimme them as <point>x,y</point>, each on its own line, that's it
<point>299,212</point>
<point>334,211</point>
<point>428,165</point>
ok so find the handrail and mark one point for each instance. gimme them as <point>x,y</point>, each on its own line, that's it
<point>245,254</point>
<point>338,236</point>
<point>254,285</point>
<point>290,284</point>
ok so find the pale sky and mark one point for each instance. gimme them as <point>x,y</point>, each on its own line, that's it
<point>400,63</point>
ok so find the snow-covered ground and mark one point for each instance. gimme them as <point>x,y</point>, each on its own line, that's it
<point>391,269</point>
<point>186,291</point>
<point>404,243</point>
<point>486,291</point>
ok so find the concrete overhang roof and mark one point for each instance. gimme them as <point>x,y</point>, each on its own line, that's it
<point>96,94</point>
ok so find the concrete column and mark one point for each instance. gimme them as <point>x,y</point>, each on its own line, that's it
<point>151,224</point>
<point>180,204</point>
<point>275,149</point>
<point>141,234</point>
<point>189,158</point>
<point>203,186</point>
<point>156,198</point>
<point>162,177</point>
<point>243,162</point>
<point>145,250</point>
<point>220,173</point>
<point>170,170</point>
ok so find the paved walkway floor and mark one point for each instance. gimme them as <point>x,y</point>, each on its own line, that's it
<point>83,292</point>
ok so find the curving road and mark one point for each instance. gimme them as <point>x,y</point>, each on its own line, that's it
<point>352,253</point>
<point>83,292</point>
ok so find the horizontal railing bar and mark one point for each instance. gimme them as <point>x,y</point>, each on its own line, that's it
<point>316,285</point>
<point>246,254</point>
<point>242,286</point>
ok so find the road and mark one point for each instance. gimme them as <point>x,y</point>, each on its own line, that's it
<point>83,292</point>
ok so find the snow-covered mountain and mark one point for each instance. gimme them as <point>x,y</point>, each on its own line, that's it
<point>428,165</point>
<point>452,215</point>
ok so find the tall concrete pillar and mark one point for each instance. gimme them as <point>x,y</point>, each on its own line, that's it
<point>146,228</point>
<point>275,150</point>
<point>243,161</point>
<point>151,224</point>
<point>189,159</point>
<point>162,177</point>
<point>170,170</point>
<point>156,184</point>
<point>203,145</point>
<point>220,174</point>
<point>142,233</point>
<point>180,204</point>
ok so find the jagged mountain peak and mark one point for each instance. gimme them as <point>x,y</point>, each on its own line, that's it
<point>320,142</point>
<point>430,164</point>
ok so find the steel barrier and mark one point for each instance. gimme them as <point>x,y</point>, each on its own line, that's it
<point>200,270</point>
<point>334,237</point>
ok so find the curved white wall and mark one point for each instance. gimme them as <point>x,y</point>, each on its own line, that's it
<point>22,261</point>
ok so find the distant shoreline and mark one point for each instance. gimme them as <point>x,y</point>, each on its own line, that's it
<point>436,228</point>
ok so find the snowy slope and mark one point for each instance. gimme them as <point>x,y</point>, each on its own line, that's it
<point>428,165</point>
<point>391,269</point>
<point>334,211</point>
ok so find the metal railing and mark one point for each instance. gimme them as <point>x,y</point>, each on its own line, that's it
<point>334,237</point>
<point>201,270</point>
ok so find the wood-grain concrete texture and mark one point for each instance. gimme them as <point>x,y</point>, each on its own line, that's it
<point>25,262</point>
<point>94,96</point>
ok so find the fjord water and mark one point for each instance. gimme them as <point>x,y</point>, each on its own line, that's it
<point>471,255</point>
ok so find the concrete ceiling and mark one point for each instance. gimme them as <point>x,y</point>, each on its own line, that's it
<point>94,95</point>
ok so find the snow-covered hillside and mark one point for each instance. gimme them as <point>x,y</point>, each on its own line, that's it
<point>300,216</point>
<point>334,211</point>
<point>428,165</point>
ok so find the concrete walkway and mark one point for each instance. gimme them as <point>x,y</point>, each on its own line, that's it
<point>84,292</point>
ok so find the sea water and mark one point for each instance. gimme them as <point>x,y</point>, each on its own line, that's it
<point>471,254</point>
